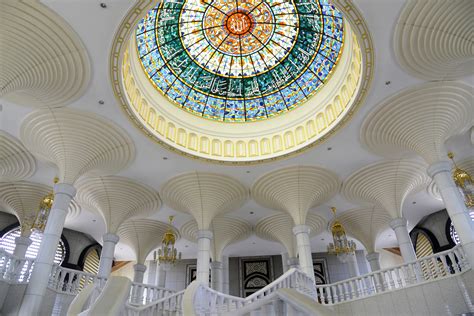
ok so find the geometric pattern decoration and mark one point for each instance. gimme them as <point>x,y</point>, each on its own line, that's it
<point>256,273</point>
<point>239,61</point>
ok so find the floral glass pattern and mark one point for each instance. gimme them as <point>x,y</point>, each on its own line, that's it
<point>239,61</point>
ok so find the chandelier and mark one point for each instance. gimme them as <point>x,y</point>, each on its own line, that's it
<point>464,182</point>
<point>43,212</point>
<point>168,254</point>
<point>341,246</point>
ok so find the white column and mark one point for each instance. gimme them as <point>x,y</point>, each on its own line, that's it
<point>399,225</point>
<point>225,262</point>
<point>152,272</point>
<point>63,193</point>
<point>162,275</point>
<point>21,246</point>
<point>374,260</point>
<point>217,275</point>
<point>107,254</point>
<point>455,205</point>
<point>352,265</point>
<point>139,272</point>
<point>304,249</point>
<point>284,261</point>
<point>204,253</point>
<point>293,262</point>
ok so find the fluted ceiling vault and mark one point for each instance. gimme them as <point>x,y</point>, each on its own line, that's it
<point>117,199</point>
<point>44,62</point>
<point>143,236</point>
<point>295,190</point>
<point>279,228</point>
<point>433,40</point>
<point>16,162</point>
<point>419,119</point>
<point>204,195</point>
<point>226,230</point>
<point>386,183</point>
<point>77,142</point>
<point>365,224</point>
<point>23,198</point>
<point>465,164</point>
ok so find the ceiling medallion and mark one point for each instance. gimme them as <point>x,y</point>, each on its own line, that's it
<point>239,61</point>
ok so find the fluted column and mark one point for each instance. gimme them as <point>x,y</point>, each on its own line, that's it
<point>152,272</point>
<point>293,262</point>
<point>374,260</point>
<point>21,246</point>
<point>162,275</point>
<point>63,193</point>
<point>217,275</point>
<point>139,270</point>
<point>284,261</point>
<point>204,254</point>
<point>399,225</point>
<point>304,249</point>
<point>455,205</point>
<point>107,254</point>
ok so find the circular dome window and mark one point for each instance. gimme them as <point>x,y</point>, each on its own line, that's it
<point>239,61</point>
<point>241,81</point>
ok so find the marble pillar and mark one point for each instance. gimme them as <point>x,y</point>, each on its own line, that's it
<point>21,246</point>
<point>374,261</point>
<point>107,254</point>
<point>217,276</point>
<point>304,249</point>
<point>399,225</point>
<point>204,254</point>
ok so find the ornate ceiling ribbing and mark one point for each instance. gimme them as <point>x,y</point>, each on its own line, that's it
<point>365,224</point>
<point>279,228</point>
<point>295,189</point>
<point>386,184</point>
<point>434,41</point>
<point>77,142</point>
<point>226,230</point>
<point>237,61</point>
<point>117,199</point>
<point>44,62</point>
<point>204,195</point>
<point>23,198</point>
<point>16,162</point>
<point>420,119</point>
<point>143,235</point>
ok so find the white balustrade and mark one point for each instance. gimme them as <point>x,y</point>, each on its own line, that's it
<point>70,281</point>
<point>437,266</point>
<point>169,305</point>
<point>142,294</point>
<point>14,270</point>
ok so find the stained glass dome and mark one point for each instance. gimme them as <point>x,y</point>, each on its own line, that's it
<point>239,61</point>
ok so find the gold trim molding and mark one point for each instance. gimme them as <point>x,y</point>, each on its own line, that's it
<point>278,142</point>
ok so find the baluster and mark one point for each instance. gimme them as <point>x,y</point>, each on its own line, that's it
<point>329,295</point>
<point>437,271</point>
<point>398,279</point>
<point>341,292</point>
<point>346,291</point>
<point>454,265</point>
<point>62,276</point>
<point>334,294</point>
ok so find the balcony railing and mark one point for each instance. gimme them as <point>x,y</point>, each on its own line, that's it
<point>14,270</point>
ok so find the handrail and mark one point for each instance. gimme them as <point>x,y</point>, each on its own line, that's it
<point>142,294</point>
<point>70,281</point>
<point>170,303</point>
<point>436,266</point>
<point>13,269</point>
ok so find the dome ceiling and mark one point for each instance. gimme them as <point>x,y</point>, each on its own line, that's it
<point>239,61</point>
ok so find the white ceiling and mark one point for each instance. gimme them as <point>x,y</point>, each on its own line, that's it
<point>96,27</point>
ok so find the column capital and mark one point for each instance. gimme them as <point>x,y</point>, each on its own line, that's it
<point>398,222</point>
<point>65,188</point>
<point>293,262</point>
<point>203,233</point>
<point>372,256</point>
<point>298,229</point>
<point>22,240</point>
<point>139,267</point>
<point>109,237</point>
<point>217,265</point>
<point>440,166</point>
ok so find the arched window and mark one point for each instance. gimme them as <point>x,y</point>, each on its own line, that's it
<point>91,260</point>
<point>452,231</point>
<point>7,242</point>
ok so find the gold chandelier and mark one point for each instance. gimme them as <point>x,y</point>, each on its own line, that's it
<point>464,182</point>
<point>340,246</point>
<point>43,212</point>
<point>168,254</point>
